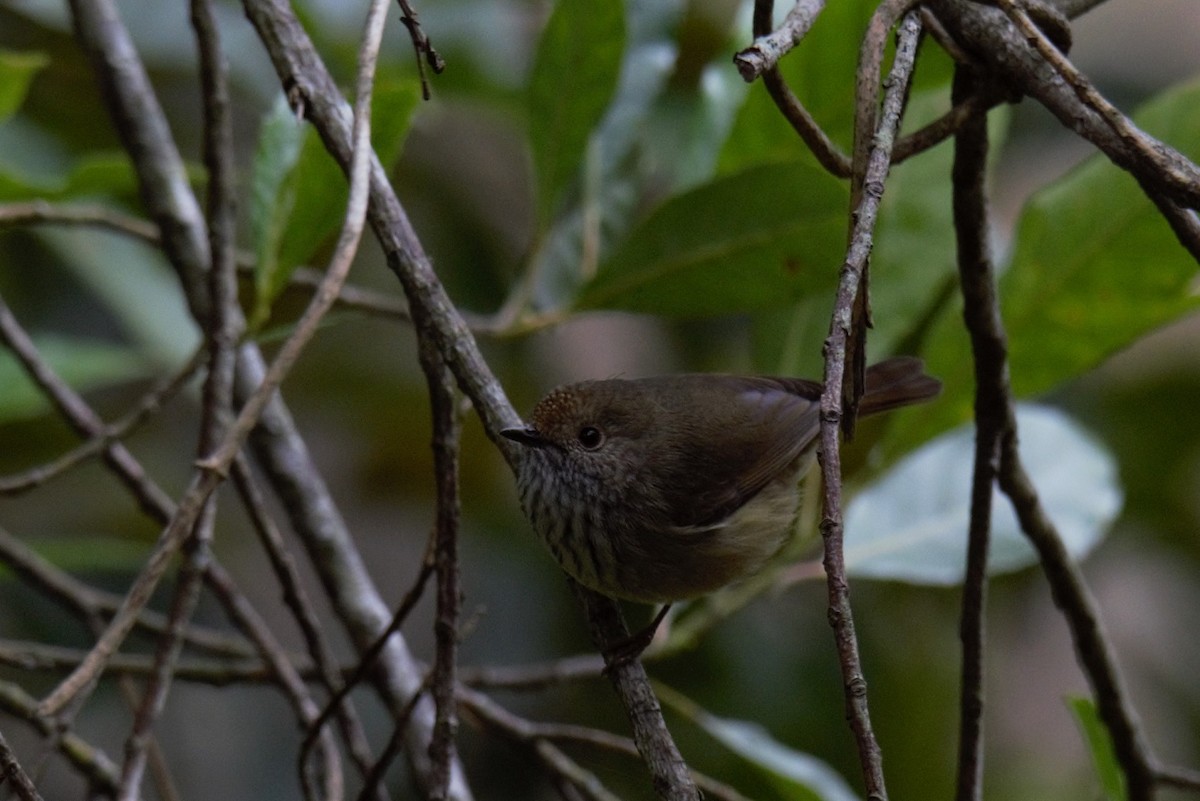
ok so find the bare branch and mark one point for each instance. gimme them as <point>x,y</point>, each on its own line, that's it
<point>771,45</point>
<point>434,316</point>
<point>281,451</point>
<point>222,330</point>
<point>92,762</point>
<point>828,153</point>
<point>833,404</point>
<point>15,775</point>
<point>978,281</point>
<point>996,417</point>
<point>1035,67</point>
<point>533,677</point>
<point>447,430</point>
<point>149,405</point>
<point>1072,597</point>
<point>296,599</point>
<point>422,47</point>
<point>670,774</point>
<point>280,667</point>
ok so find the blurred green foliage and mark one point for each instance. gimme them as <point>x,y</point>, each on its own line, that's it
<point>582,163</point>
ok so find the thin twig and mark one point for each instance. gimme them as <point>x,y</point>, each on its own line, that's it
<point>1180,178</point>
<point>978,281</point>
<point>827,152</point>
<point>1174,776</point>
<point>15,775</point>
<point>297,601</point>
<point>434,314</point>
<point>942,128</point>
<point>357,298</point>
<point>77,413</point>
<point>1071,595</point>
<point>560,766</point>
<point>218,672</point>
<point>286,675</point>
<point>221,335</point>
<point>86,602</point>
<point>669,773</point>
<point>771,45</point>
<point>101,772</point>
<point>530,733</point>
<point>149,405</point>
<point>833,406</point>
<point>422,47</point>
<point>447,429</point>
<point>869,166</point>
<point>533,677</point>
<point>367,662</point>
<point>1026,61</point>
<point>373,781</point>
<point>213,469</point>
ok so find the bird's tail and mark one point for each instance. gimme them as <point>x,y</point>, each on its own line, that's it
<point>899,381</point>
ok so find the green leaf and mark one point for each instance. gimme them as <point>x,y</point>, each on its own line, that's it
<point>1099,744</point>
<point>759,239</point>
<point>17,70</point>
<point>911,525</point>
<point>798,775</point>
<point>1094,268</point>
<point>83,363</point>
<point>574,76</point>
<point>298,191</point>
<point>1095,265</point>
<point>136,284</point>
<point>87,554</point>
<point>321,189</point>
<point>821,74</point>
<point>801,775</point>
<point>95,175</point>
<point>914,254</point>
<point>272,195</point>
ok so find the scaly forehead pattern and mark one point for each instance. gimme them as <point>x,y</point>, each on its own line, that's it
<point>557,409</point>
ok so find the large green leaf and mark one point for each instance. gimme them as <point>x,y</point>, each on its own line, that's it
<point>574,75</point>
<point>1094,268</point>
<point>17,70</point>
<point>911,525</point>
<point>759,239</point>
<point>1095,265</point>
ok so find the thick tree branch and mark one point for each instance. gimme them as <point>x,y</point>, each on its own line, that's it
<point>1014,60</point>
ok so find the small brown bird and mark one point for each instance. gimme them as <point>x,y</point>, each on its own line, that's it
<point>660,489</point>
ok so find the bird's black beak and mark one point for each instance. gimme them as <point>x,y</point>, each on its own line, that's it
<point>525,435</point>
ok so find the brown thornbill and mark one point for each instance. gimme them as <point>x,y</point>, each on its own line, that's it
<point>660,489</point>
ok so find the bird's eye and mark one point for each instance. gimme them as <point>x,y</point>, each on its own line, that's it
<point>590,437</point>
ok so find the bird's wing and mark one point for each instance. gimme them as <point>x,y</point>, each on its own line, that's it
<point>738,435</point>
